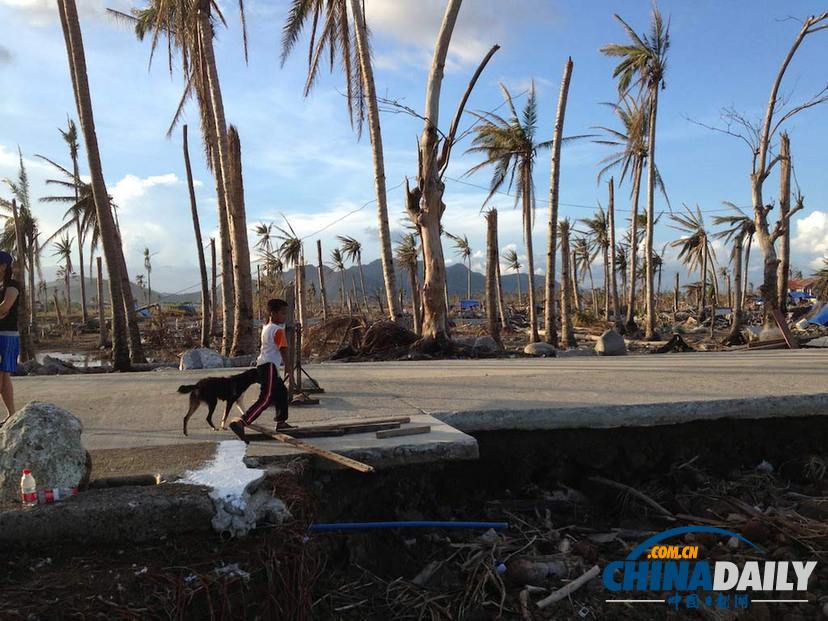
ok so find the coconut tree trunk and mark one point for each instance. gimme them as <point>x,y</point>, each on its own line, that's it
<point>468,280</point>
<point>244,341</point>
<point>301,301</point>
<point>102,331</point>
<point>526,180</point>
<point>501,307</point>
<point>136,349</point>
<point>676,298</point>
<point>425,202</point>
<point>633,260</point>
<point>703,290</point>
<point>554,191</point>
<point>576,295</point>
<point>746,269</point>
<point>650,332</point>
<point>592,287</point>
<point>23,317</point>
<point>367,70</point>
<point>605,257</point>
<point>415,299</point>
<point>109,238</point>
<point>202,264</point>
<point>491,276</point>
<point>66,274</point>
<point>616,307</point>
<point>342,290</point>
<point>32,265</point>
<point>213,288</point>
<point>784,212</point>
<point>322,291</point>
<point>79,233</point>
<point>362,283</point>
<point>736,313</point>
<point>567,333</point>
<point>520,296</point>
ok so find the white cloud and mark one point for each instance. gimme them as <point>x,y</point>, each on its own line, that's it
<point>479,26</point>
<point>43,12</point>
<point>811,237</point>
<point>131,187</point>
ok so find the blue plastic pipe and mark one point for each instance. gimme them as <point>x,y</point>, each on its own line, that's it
<point>414,524</point>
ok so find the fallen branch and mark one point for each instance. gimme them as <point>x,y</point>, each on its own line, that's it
<point>631,490</point>
<point>573,586</point>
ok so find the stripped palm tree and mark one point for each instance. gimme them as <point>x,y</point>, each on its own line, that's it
<point>510,256</point>
<point>643,63</point>
<point>695,249</point>
<point>567,333</point>
<point>408,254</point>
<point>336,31</point>
<point>63,251</point>
<point>739,231</point>
<point>598,230</point>
<point>464,251</point>
<point>352,250</point>
<point>509,146</point>
<point>338,264</point>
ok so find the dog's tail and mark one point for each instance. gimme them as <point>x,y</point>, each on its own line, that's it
<point>187,388</point>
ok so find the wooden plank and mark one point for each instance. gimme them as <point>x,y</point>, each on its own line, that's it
<point>404,431</point>
<point>355,423</point>
<point>767,343</point>
<point>313,432</point>
<point>790,339</point>
<point>310,448</point>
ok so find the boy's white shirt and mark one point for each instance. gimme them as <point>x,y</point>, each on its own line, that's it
<point>269,352</point>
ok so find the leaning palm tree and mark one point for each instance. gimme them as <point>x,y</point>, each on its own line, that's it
<point>464,251</point>
<point>352,250</point>
<point>338,264</point>
<point>336,31</point>
<point>63,251</point>
<point>126,339</point>
<point>739,230</point>
<point>695,248</point>
<point>643,63</point>
<point>408,254</point>
<point>597,228</point>
<point>510,256</point>
<point>509,146</point>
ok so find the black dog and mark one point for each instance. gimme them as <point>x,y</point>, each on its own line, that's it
<point>210,389</point>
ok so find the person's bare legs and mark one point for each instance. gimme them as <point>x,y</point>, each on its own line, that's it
<point>7,392</point>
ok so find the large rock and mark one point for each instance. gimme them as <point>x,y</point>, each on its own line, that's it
<point>540,349</point>
<point>486,345</point>
<point>46,439</point>
<point>201,358</point>
<point>610,343</point>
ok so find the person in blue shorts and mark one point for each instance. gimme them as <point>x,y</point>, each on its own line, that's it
<point>9,336</point>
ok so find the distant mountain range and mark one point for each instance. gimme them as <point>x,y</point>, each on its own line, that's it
<point>456,275</point>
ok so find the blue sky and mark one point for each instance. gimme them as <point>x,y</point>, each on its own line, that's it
<point>302,159</point>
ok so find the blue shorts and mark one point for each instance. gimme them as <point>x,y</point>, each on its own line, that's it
<point>9,351</point>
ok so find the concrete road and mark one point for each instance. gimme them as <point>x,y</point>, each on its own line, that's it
<point>143,409</point>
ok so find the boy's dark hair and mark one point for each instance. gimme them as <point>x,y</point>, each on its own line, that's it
<point>274,306</point>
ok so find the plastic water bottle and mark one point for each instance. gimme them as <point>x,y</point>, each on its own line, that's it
<point>28,488</point>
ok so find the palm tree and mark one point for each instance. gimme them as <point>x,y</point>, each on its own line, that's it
<point>629,155</point>
<point>352,250</point>
<point>408,255</point>
<point>695,248</point>
<point>264,241</point>
<point>622,251</point>
<point>148,267</point>
<point>585,253</point>
<point>567,333</point>
<point>125,335</point>
<point>291,253</point>
<point>464,251</point>
<point>643,62</point>
<point>821,284</point>
<point>346,35</point>
<point>739,229</point>
<point>338,264</point>
<point>512,260</point>
<point>598,230</point>
<point>63,251</point>
<point>189,26</point>
<point>29,246</point>
<point>509,146</point>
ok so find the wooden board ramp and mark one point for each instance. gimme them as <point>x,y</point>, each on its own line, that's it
<point>403,431</point>
<point>310,448</point>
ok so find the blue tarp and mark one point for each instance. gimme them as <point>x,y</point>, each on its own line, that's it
<point>469,304</point>
<point>799,295</point>
<point>821,316</point>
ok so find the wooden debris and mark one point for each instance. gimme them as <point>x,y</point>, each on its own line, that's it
<point>569,588</point>
<point>404,431</point>
<point>310,448</point>
<point>631,490</point>
<point>790,339</point>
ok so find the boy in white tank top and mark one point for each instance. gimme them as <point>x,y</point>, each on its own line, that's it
<point>274,353</point>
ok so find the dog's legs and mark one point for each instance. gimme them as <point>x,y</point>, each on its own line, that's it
<point>240,404</point>
<point>227,409</point>
<point>194,403</point>
<point>212,406</point>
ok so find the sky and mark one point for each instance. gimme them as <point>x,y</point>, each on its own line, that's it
<point>302,160</point>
